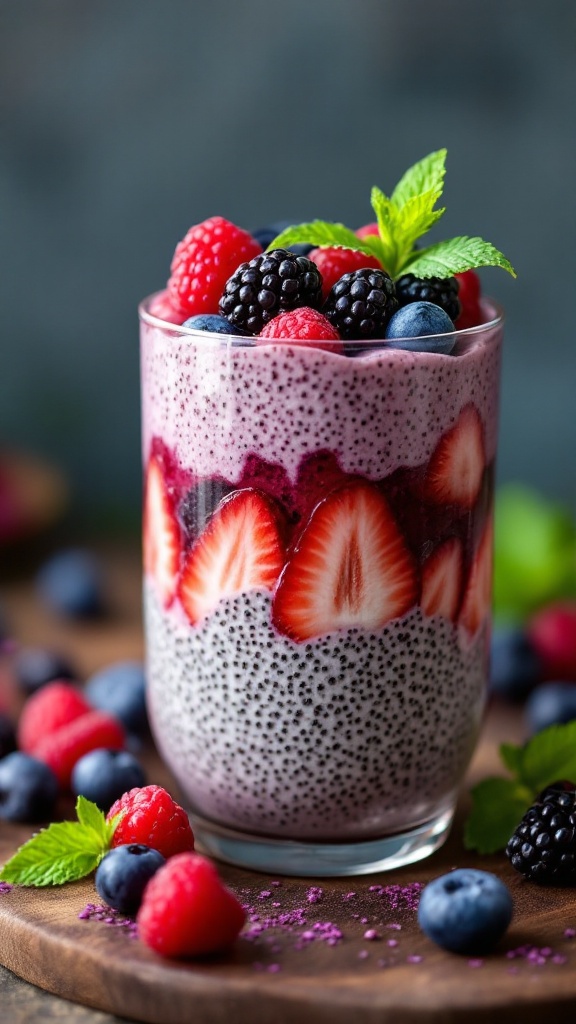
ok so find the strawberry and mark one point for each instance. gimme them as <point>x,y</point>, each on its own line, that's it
<point>455,471</point>
<point>333,262</point>
<point>442,580</point>
<point>161,533</point>
<point>350,567</point>
<point>477,600</point>
<point>239,550</point>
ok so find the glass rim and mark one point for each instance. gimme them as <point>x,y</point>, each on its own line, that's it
<point>212,336</point>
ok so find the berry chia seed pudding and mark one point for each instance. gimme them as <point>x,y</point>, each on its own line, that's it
<point>319,438</point>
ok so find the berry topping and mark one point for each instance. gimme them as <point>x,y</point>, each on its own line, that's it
<point>55,705</point>
<point>303,326</point>
<point>551,704</point>
<point>469,291</point>
<point>457,464</point>
<point>268,285</point>
<point>552,633</point>
<point>350,567</point>
<point>543,847</point>
<point>361,303</point>
<point>478,593</point>
<point>70,583</point>
<point>102,776</point>
<point>120,689</point>
<point>203,262</point>
<point>7,735</point>
<point>152,817</point>
<point>422,327</point>
<point>61,749</point>
<point>239,550</point>
<point>368,229</point>
<point>124,873</point>
<point>333,263</point>
<point>187,911</point>
<point>162,308</point>
<point>442,580</point>
<point>28,789</point>
<point>442,291</point>
<point>515,667</point>
<point>36,666</point>
<point>161,533</point>
<point>466,911</point>
<point>210,322</point>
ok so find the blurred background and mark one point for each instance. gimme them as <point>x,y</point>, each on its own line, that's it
<point>126,123</point>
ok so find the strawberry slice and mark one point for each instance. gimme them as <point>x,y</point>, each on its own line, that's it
<point>477,601</point>
<point>351,567</point>
<point>455,471</point>
<point>240,550</point>
<point>442,580</point>
<point>161,533</point>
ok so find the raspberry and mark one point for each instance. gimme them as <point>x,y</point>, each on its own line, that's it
<point>543,847</point>
<point>55,705</point>
<point>268,285</point>
<point>333,262</point>
<point>152,818</point>
<point>469,295</point>
<point>368,229</point>
<point>187,911</point>
<point>361,303</point>
<point>164,310</point>
<point>203,262</point>
<point>61,749</point>
<point>441,291</point>
<point>303,325</point>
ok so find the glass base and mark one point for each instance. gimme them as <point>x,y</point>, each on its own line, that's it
<point>316,859</point>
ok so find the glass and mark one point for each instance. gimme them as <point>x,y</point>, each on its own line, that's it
<point>317,548</point>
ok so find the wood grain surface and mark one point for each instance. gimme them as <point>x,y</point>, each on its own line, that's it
<point>278,977</point>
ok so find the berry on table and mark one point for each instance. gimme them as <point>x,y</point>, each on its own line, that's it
<point>28,789</point>
<point>515,667</point>
<point>152,817</point>
<point>61,749</point>
<point>120,689</point>
<point>551,704</point>
<point>210,322</point>
<point>442,291</point>
<point>303,326</point>
<point>187,911</point>
<point>70,583</point>
<point>55,705</point>
<point>466,911</point>
<point>267,285</point>
<point>36,666</point>
<point>421,327</point>
<point>124,873</point>
<point>333,262</point>
<point>103,776</point>
<point>543,846</point>
<point>552,633</point>
<point>361,303</point>
<point>203,262</point>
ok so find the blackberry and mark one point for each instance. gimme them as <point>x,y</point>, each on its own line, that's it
<point>543,847</point>
<point>361,303</point>
<point>267,285</point>
<point>443,291</point>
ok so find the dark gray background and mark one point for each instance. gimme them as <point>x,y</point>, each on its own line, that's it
<point>127,122</point>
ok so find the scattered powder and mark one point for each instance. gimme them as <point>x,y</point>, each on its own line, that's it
<point>363,954</point>
<point>414,958</point>
<point>273,968</point>
<point>371,934</point>
<point>264,894</point>
<point>314,894</point>
<point>475,963</point>
<point>536,956</point>
<point>392,943</point>
<point>349,896</point>
<point>5,887</point>
<point>99,912</point>
<point>569,933</point>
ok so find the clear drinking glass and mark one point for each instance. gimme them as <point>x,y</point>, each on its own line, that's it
<point>318,548</point>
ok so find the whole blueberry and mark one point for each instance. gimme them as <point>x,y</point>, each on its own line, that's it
<point>103,776</point>
<point>71,583</point>
<point>28,789</point>
<point>36,666</point>
<point>466,911</point>
<point>551,704</point>
<point>120,688</point>
<point>515,667</point>
<point>7,735</point>
<point>210,322</point>
<point>124,873</point>
<point>421,327</point>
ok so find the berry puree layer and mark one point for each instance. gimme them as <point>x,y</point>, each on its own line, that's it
<point>317,547</point>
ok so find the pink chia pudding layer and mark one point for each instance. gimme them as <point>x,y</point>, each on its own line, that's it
<point>361,727</point>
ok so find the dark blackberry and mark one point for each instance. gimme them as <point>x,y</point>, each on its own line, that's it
<point>268,285</point>
<point>441,290</point>
<point>543,847</point>
<point>361,303</point>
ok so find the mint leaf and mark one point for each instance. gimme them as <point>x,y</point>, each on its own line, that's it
<point>92,817</point>
<point>512,757</point>
<point>63,852</point>
<point>454,257</point>
<point>549,756</point>
<point>322,232</point>
<point>497,807</point>
<point>414,219</point>
<point>424,176</point>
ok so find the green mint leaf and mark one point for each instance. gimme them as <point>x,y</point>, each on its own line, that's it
<point>497,807</point>
<point>322,232</point>
<point>454,257</point>
<point>388,218</point>
<point>425,176</point>
<point>63,852</point>
<point>549,756</point>
<point>414,219</point>
<point>511,755</point>
<point>92,817</point>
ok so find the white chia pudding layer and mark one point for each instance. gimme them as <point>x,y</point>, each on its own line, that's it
<point>354,735</point>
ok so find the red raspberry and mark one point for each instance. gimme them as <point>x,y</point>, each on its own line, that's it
<point>54,706</point>
<point>303,325</point>
<point>469,290</point>
<point>368,229</point>
<point>164,310</point>
<point>187,911</point>
<point>203,262</point>
<point>153,818</point>
<point>61,749</point>
<point>333,262</point>
<point>552,633</point>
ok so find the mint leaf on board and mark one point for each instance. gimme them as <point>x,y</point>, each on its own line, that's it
<point>549,756</point>
<point>454,257</point>
<point>497,807</point>
<point>92,817</point>
<point>322,232</point>
<point>425,176</point>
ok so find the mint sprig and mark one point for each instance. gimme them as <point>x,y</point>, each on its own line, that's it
<point>402,219</point>
<point>63,852</point>
<point>498,804</point>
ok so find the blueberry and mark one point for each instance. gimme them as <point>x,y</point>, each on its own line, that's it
<point>515,667</point>
<point>418,320</point>
<point>466,911</point>
<point>103,776</point>
<point>121,689</point>
<point>71,583</point>
<point>124,873</point>
<point>210,322</point>
<point>28,789</point>
<point>551,704</point>
<point>7,735</point>
<point>36,666</point>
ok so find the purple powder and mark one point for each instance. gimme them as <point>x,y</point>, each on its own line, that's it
<point>264,894</point>
<point>559,958</point>
<point>273,968</point>
<point>349,895</point>
<point>392,943</point>
<point>314,894</point>
<point>569,933</point>
<point>475,963</point>
<point>371,934</point>
<point>414,958</point>
<point>362,955</point>
<point>5,887</point>
<point>110,917</point>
